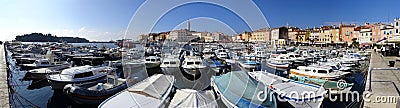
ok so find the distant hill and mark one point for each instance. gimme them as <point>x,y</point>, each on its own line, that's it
<point>39,37</point>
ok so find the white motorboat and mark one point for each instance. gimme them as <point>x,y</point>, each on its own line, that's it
<point>42,63</point>
<point>296,57</point>
<point>222,55</point>
<point>207,53</point>
<point>41,73</point>
<point>97,91</point>
<point>152,92</point>
<point>170,65</point>
<point>152,61</point>
<point>193,65</point>
<point>76,75</point>
<point>317,72</point>
<point>279,63</point>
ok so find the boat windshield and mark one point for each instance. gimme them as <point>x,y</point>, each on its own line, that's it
<point>82,75</point>
<point>322,71</point>
<point>197,62</point>
<point>45,62</point>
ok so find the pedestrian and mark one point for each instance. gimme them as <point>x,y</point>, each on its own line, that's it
<point>383,50</point>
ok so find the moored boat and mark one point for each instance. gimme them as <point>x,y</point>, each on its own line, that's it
<point>248,95</point>
<point>94,92</point>
<point>152,92</point>
<point>76,75</point>
<point>42,72</point>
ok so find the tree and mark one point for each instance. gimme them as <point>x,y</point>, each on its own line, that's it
<point>354,43</point>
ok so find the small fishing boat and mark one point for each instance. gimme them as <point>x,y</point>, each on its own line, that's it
<point>76,75</point>
<point>152,92</point>
<point>252,94</point>
<point>41,73</point>
<point>188,98</point>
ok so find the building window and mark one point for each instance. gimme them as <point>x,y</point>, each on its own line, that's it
<point>397,23</point>
<point>370,34</point>
<point>397,30</point>
<point>384,32</point>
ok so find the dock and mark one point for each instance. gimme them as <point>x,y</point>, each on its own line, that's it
<point>383,81</point>
<point>4,91</point>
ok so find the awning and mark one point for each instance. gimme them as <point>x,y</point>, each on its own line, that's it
<point>395,39</point>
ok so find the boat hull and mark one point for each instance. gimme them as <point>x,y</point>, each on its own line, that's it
<point>30,75</point>
<point>282,67</point>
<point>152,65</point>
<point>193,71</point>
<point>59,85</point>
<point>170,70</point>
<point>85,96</point>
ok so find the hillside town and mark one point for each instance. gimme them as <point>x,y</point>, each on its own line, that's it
<point>365,35</point>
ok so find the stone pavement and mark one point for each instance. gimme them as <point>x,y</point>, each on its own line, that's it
<point>4,94</point>
<point>384,83</point>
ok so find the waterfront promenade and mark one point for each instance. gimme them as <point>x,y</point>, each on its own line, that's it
<point>384,83</point>
<point>4,94</point>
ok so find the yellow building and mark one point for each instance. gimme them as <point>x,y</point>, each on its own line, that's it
<point>302,36</point>
<point>329,34</point>
<point>262,35</point>
<point>292,33</point>
<point>335,35</point>
<point>245,36</point>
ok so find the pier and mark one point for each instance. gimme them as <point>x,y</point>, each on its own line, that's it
<point>4,93</point>
<point>383,81</point>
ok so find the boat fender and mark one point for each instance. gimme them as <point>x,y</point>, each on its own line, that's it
<point>100,87</point>
<point>69,88</point>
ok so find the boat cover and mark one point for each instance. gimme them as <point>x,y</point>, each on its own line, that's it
<point>243,91</point>
<point>188,98</point>
<point>148,93</point>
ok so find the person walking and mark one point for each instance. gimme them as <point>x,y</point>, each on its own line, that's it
<point>383,50</point>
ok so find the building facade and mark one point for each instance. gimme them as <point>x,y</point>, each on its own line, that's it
<point>279,36</point>
<point>314,35</point>
<point>366,35</point>
<point>261,35</point>
<point>347,33</point>
<point>396,27</point>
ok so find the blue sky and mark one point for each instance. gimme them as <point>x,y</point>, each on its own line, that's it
<point>108,20</point>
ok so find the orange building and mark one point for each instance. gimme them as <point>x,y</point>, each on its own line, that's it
<point>346,33</point>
